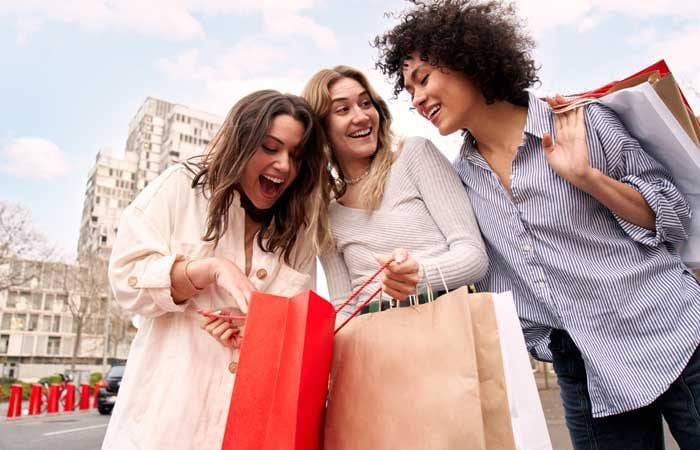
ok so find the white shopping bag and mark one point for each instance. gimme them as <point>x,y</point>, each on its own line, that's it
<point>649,121</point>
<point>527,416</point>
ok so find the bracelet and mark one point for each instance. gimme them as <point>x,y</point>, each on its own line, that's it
<point>189,280</point>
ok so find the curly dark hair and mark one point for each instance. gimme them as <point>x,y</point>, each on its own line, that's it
<point>483,40</point>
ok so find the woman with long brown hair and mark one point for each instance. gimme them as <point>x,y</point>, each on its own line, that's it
<point>203,236</point>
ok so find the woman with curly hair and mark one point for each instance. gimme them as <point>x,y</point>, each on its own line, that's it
<point>579,222</point>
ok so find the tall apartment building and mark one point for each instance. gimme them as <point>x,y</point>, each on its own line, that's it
<point>160,134</point>
<point>187,133</point>
<point>111,186</point>
<point>145,139</point>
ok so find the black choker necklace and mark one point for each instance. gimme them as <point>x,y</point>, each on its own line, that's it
<point>261,216</point>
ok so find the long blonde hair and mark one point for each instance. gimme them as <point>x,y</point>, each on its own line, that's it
<point>317,94</point>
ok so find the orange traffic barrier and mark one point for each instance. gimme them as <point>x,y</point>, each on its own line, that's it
<point>96,394</point>
<point>54,393</point>
<point>35,400</point>
<point>15,406</point>
<point>69,402</point>
<point>84,396</point>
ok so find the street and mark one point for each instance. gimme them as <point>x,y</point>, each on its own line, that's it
<point>85,430</point>
<point>68,431</point>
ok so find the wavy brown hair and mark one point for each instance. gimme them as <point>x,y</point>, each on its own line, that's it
<point>483,40</point>
<point>317,93</point>
<point>219,171</point>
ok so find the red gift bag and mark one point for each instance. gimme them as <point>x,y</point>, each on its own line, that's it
<point>281,383</point>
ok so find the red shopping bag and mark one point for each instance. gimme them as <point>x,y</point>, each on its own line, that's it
<point>279,396</point>
<point>282,378</point>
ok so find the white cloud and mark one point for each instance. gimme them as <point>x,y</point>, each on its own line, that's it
<point>32,157</point>
<point>289,24</point>
<point>169,19</point>
<point>584,15</point>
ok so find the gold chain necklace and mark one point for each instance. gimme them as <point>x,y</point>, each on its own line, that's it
<point>356,179</point>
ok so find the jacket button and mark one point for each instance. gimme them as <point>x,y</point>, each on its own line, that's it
<point>232,367</point>
<point>261,273</point>
<point>132,281</point>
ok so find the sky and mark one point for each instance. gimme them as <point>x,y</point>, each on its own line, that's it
<point>74,72</point>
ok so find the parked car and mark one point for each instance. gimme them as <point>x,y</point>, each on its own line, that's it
<point>109,388</point>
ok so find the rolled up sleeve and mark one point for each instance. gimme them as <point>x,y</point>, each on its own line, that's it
<point>139,268</point>
<point>142,254</point>
<point>631,165</point>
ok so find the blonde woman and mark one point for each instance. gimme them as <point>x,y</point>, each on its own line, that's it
<point>389,197</point>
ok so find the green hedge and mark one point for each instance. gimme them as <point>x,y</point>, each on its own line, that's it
<point>5,395</point>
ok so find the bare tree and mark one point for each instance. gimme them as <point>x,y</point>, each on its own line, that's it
<point>121,328</point>
<point>85,286</point>
<point>19,241</point>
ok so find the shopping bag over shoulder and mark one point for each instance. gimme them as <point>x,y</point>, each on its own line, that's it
<point>282,378</point>
<point>655,112</point>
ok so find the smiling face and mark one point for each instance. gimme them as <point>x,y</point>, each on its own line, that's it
<point>275,164</point>
<point>352,125</point>
<point>445,97</point>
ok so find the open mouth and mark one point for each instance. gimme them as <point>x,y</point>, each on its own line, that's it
<point>270,186</point>
<point>433,111</point>
<point>361,133</point>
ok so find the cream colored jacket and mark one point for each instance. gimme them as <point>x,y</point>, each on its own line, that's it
<point>177,385</point>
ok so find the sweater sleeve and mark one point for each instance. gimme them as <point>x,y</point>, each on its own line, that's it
<point>338,279</point>
<point>465,261</point>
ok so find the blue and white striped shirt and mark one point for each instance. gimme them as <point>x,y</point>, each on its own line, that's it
<point>619,290</point>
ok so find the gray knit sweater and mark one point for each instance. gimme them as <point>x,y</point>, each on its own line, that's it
<point>425,210</point>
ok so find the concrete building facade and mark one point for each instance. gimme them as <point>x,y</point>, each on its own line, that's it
<point>39,322</point>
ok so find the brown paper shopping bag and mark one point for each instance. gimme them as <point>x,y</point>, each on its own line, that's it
<point>659,76</point>
<point>420,378</point>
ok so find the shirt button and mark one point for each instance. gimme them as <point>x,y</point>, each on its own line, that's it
<point>541,284</point>
<point>527,248</point>
<point>261,273</point>
<point>232,367</point>
<point>132,280</point>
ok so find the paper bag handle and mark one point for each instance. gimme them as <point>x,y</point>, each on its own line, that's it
<point>357,292</point>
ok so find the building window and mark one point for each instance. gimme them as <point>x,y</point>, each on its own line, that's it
<point>45,323</point>
<point>58,303</point>
<point>6,321</point>
<point>19,322</point>
<point>4,343</point>
<point>35,301</point>
<point>56,325</point>
<point>53,345</point>
<point>33,322</point>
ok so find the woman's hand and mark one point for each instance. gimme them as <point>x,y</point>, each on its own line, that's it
<point>228,333</point>
<point>568,155</point>
<point>400,278</point>
<point>189,277</point>
<point>233,281</point>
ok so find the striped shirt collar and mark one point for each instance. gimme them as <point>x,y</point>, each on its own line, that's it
<point>539,121</point>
